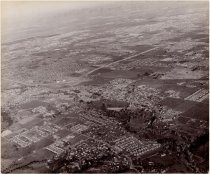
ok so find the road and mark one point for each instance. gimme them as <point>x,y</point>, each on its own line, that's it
<point>121,60</point>
<point>85,75</point>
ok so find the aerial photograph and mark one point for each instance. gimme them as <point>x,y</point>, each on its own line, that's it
<point>105,87</point>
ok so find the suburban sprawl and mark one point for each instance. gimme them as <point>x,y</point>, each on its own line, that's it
<point>120,87</point>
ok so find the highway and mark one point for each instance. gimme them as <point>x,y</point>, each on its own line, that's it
<point>121,60</point>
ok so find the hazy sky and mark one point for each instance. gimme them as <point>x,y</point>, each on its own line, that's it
<point>14,11</point>
<point>19,11</point>
<point>19,15</point>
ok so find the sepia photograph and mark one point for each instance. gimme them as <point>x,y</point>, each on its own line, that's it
<point>105,86</point>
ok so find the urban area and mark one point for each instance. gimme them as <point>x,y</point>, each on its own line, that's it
<point>115,87</point>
